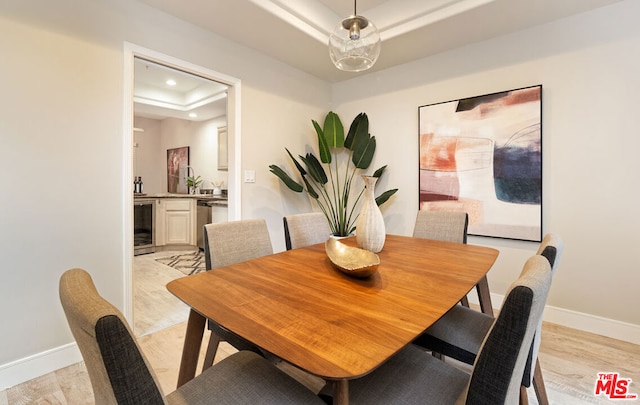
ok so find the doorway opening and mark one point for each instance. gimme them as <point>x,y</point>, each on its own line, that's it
<point>202,99</point>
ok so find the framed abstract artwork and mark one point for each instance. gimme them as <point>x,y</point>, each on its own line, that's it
<point>483,155</point>
<point>177,163</point>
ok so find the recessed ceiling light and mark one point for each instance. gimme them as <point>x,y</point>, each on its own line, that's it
<point>193,115</point>
<point>171,82</point>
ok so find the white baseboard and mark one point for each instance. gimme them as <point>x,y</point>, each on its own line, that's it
<point>594,324</point>
<point>28,368</point>
<point>39,364</point>
<point>612,328</point>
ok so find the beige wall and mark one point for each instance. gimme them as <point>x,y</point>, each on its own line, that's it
<point>151,151</point>
<point>147,155</point>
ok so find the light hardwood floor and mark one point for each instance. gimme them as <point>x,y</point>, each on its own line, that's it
<point>570,359</point>
<point>154,307</point>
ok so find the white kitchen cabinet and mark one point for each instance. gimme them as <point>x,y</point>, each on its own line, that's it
<point>178,228</point>
<point>176,221</point>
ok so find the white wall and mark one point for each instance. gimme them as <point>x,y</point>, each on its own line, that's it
<point>147,156</point>
<point>201,137</point>
<point>61,176</point>
<point>588,66</point>
<point>268,197</point>
<point>61,120</point>
<point>150,154</point>
<point>204,152</point>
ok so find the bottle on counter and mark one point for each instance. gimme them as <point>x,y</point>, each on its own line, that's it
<point>137,185</point>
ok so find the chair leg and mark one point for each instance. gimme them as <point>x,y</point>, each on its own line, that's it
<point>212,349</point>
<point>538,385</point>
<point>484,296</point>
<point>524,399</point>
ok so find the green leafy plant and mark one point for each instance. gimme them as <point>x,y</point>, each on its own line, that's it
<point>332,192</point>
<point>193,182</point>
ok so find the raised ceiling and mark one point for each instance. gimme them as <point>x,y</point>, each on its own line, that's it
<point>191,97</point>
<point>296,31</point>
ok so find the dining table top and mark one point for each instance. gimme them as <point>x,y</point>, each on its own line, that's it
<point>298,306</point>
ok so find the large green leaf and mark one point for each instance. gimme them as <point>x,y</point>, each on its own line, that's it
<point>315,169</point>
<point>298,165</point>
<point>382,198</point>
<point>317,128</point>
<point>379,172</point>
<point>288,181</point>
<point>358,130</point>
<point>323,147</point>
<point>363,153</point>
<point>310,190</point>
<point>333,130</point>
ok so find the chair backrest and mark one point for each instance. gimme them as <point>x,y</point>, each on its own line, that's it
<point>449,226</point>
<point>118,370</point>
<point>551,248</point>
<point>500,363</point>
<point>305,229</point>
<point>232,242</point>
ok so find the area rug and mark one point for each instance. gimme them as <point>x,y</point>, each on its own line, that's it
<point>187,263</point>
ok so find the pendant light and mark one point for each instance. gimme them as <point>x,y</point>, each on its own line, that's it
<point>355,43</point>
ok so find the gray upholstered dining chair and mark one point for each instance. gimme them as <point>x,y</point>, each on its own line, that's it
<point>305,229</point>
<point>551,247</point>
<point>451,226</point>
<point>120,373</point>
<point>415,377</point>
<point>460,332</point>
<point>226,243</point>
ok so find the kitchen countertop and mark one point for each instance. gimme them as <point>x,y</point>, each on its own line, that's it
<point>172,195</point>
<point>219,199</point>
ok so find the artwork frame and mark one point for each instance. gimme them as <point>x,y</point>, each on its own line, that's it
<point>483,155</point>
<point>177,163</point>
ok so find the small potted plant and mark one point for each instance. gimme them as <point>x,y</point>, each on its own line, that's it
<point>332,192</point>
<point>193,183</point>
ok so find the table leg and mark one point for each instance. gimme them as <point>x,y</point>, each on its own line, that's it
<point>341,392</point>
<point>191,349</point>
<point>484,296</point>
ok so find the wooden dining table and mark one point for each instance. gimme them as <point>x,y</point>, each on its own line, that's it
<point>298,306</point>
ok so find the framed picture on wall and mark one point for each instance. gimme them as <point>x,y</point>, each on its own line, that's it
<point>177,162</point>
<point>483,155</point>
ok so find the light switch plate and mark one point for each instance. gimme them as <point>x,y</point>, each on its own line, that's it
<point>249,176</point>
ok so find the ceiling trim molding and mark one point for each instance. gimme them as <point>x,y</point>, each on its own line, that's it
<point>295,14</point>
<point>393,18</point>
<point>178,105</point>
<point>428,14</point>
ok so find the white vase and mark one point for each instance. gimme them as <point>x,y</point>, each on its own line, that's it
<point>370,232</point>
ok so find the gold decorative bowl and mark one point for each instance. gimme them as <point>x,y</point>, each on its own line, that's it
<point>352,261</point>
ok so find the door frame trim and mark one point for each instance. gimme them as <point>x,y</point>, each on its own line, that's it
<point>234,141</point>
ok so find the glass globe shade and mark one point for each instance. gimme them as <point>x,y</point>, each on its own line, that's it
<point>355,44</point>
